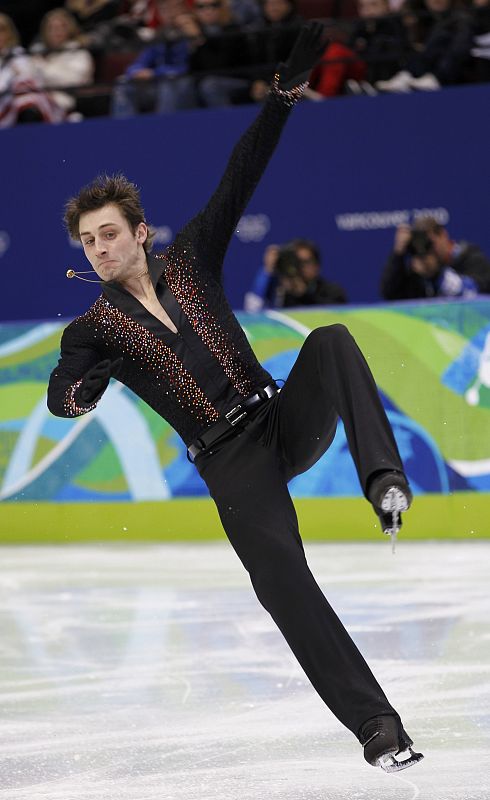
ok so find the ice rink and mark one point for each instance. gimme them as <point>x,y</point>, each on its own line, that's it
<point>150,672</point>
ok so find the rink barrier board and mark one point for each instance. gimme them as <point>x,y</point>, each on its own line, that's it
<point>122,473</point>
<point>463,516</point>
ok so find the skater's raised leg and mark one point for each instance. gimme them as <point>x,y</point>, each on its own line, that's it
<point>331,377</point>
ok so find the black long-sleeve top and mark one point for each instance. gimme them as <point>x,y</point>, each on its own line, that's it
<point>190,378</point>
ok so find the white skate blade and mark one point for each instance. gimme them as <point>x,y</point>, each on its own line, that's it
<point>390,762</point>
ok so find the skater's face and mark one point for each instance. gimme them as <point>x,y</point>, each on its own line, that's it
<point>115,252</point>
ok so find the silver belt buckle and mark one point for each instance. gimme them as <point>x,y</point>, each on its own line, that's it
<point>229,415</point>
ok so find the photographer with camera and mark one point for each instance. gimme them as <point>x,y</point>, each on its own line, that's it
<point>290,276</point>
<point>426,262</point>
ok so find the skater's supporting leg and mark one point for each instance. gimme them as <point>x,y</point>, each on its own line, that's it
<point>387,744</point>
<point>248,485</point>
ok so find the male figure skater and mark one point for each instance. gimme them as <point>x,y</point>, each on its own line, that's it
<point>164,326</point>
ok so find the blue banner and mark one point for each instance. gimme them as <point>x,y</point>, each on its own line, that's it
<point>346,173</point>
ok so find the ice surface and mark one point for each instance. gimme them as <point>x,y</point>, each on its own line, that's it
<point>150,672</point>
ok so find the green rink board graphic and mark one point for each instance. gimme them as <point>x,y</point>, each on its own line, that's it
<point>121,472</point>
<point>460,516</point>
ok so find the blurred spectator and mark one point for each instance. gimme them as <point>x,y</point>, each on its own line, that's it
<point>142,88</point>
<point>440,47</point>
<point>245,12</point>
<point>104,25</point>
<point>277,26</point>
<point>379,38</point>
<point>220,53</point>
<point>481,40</point>
<point>216,52</point>
<point>270,40</point>
<point>151,15</point>
<point>60,59</point>
<point>290,276</point>
<point>426,262</point>
<point>339,66</point>
<point>27,15</point>
<point>138,21</point>
<point>89,13</point>
<point>274,32</point>
<point>145,13</point>
<point>21,98</point>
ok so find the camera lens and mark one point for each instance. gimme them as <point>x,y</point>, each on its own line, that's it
<point>288,263</point>
<point>419,244</point>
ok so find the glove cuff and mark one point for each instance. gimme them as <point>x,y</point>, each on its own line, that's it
<point>289,96</point>
<point>73,403</point>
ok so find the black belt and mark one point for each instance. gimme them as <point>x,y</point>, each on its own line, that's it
<point>228,421</point>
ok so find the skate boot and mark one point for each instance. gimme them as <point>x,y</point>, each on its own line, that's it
<point>390,494</point>
<point>386,744</point>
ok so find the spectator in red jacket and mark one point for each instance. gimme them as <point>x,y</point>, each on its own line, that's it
<point>339,64</point>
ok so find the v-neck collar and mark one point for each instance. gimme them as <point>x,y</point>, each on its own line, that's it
<point>130,305</point>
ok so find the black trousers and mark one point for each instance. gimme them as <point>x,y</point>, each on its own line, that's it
<point>247,477</point>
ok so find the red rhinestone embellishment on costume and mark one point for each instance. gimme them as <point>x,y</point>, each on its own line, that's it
<point>154,356</point>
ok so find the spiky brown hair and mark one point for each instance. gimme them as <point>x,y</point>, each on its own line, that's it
<point>115,190</point>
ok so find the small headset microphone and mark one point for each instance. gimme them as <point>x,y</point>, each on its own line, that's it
<point>71,273</point>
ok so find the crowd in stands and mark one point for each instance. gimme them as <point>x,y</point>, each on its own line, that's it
<point>94,57</point>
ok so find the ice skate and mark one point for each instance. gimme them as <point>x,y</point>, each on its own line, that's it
<point>390,494</point>
<point>387,745</point>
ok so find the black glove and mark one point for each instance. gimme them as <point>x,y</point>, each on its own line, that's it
<point>96,381</point>
<point>307,49</point>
